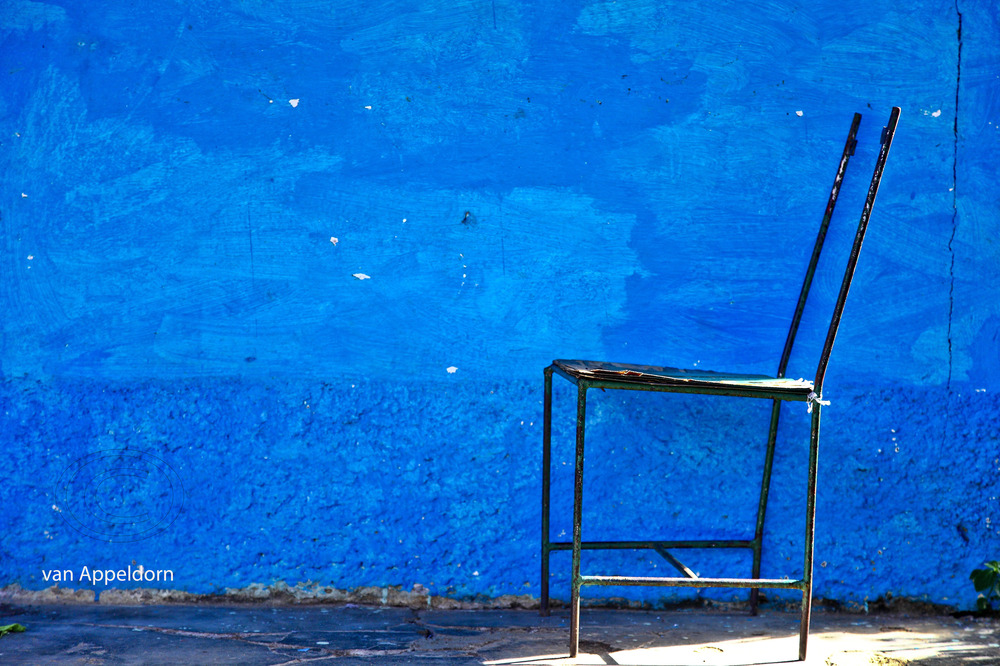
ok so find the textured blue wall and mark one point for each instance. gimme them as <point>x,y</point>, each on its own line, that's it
<point>313,256</point>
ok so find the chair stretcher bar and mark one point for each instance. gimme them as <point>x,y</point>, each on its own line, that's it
<point>634,545</point>
<point>775,583</point>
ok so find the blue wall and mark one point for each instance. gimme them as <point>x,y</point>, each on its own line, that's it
<point>311,258</point>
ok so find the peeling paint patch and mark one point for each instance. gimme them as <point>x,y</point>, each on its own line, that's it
<point>278,592</point>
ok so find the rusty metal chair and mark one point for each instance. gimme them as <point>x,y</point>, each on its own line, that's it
<point>589,374</point>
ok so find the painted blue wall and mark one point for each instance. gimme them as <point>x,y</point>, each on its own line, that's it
<point>313,256</point>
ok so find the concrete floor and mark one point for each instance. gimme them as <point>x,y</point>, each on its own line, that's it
<point>349,634</point>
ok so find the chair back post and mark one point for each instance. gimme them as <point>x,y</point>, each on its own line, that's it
<point>831,203</point>
<point>887,133</point>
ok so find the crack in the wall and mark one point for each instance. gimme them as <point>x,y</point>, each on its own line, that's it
<point>954,197</point>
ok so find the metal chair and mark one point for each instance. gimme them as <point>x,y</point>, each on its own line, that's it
<point>589,374</point>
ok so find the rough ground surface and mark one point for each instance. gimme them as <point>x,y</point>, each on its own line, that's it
<point>350,634</point>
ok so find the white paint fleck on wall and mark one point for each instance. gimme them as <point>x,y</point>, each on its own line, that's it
<point>362,276</point>
<point>293,102</point>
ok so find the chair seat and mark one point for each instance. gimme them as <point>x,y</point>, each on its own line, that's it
<point>680,380</point>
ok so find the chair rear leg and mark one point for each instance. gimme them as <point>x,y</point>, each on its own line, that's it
<point>546,480</point>
<point>807,573</point>
<point>765,488</point>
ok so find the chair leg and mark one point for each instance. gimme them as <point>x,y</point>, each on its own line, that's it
<point>574,620</point>
<point>807,573</point>
<point>765,488</point>
<point>546,480</point>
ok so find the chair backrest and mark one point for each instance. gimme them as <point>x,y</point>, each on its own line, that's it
<point>831,203</point>
<point>887,133</point>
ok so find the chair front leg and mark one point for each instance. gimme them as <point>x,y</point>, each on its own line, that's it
<point>574,622</point>
<point>546,481</point>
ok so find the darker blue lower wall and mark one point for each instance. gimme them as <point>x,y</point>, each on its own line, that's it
<point>355,482</point>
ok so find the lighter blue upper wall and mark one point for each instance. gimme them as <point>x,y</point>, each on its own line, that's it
<point>638,179</point>
<point>180,246</point>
